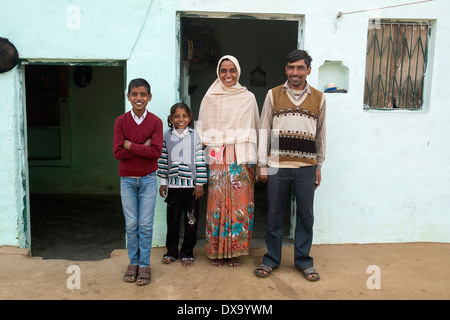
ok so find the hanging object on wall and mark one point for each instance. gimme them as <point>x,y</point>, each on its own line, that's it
<point>201,48</point>
<point>82,76</point>
<point>9,57</point>
<point>190,50</point>
<point>258,77</point>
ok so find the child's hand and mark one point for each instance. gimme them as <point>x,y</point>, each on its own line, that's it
<point>163,191</point>
<point>198,192</point>
<point>148,142</point>
<point>126,144</point>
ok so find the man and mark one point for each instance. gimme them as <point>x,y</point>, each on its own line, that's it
<point>291,153</point>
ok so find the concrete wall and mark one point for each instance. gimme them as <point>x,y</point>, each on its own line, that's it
<point>13,211</point>
<point>386,173</point>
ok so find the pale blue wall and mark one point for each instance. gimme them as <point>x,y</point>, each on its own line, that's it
<point>386,174</point>
<point>13,213</point>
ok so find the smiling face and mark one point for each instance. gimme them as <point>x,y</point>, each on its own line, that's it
<point>228,73</point>
<point>180,118</point>
<point>297,72</point>
<point>139,98</point>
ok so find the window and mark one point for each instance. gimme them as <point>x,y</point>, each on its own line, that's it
<point>48,114</point>
<point>396,61</point>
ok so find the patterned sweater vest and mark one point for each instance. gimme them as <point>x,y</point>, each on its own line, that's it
<point>294,127</point>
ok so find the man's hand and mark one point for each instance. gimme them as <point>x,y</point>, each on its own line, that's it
<point>318,178</point>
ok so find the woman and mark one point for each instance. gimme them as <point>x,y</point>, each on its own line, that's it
<point>228,124</point>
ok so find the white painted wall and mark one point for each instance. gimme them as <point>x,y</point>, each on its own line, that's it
<point>386,174</point>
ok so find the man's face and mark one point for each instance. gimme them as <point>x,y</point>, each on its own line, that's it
<point>139,99</point>
<point>297,72</point>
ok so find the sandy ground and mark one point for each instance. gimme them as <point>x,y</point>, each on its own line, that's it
<point>418,271</point>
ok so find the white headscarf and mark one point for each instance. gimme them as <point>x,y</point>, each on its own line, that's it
<point>229,115</point>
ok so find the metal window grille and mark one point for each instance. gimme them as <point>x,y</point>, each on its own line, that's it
<point>396,61</point>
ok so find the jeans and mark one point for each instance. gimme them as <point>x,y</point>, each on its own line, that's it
<point>138,202</point>
<point>278,186</point>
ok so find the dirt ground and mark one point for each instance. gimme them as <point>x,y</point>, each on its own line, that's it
<point>418,271</point>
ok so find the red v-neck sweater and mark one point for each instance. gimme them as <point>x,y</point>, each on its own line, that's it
<point>140,160</point>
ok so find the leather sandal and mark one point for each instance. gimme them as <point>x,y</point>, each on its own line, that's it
<point>263,270</point>
<point>310,272</point>
<point>131,273</point>
<point>144,276</point>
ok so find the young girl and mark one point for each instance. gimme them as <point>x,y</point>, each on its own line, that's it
<point>182,170</point>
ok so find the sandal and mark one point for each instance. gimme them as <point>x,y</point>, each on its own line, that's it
<point>263,270</point>
<point>144,276</point>
<point>217,262</point>
<point>234,262</point>
<point>168,259</point>
<point>131,273</point>
<point>187,262</point>
<point>310,274</point>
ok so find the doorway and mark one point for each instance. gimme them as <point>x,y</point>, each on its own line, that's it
<point>74,196</point>
<point>261,44</point>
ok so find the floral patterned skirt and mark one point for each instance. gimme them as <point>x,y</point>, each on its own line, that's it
<point>230,209</point>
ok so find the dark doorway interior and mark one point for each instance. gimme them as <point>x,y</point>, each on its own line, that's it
<point>261,47</point>
<point>75,209</point>
<point>76,227</point>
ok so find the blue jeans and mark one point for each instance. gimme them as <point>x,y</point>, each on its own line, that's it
<point>278,187</point>
<point>138,202</point>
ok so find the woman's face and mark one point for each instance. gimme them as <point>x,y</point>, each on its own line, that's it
<point>228,73</point>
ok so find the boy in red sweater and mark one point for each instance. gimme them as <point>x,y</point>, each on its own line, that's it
<point>138,141</point>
